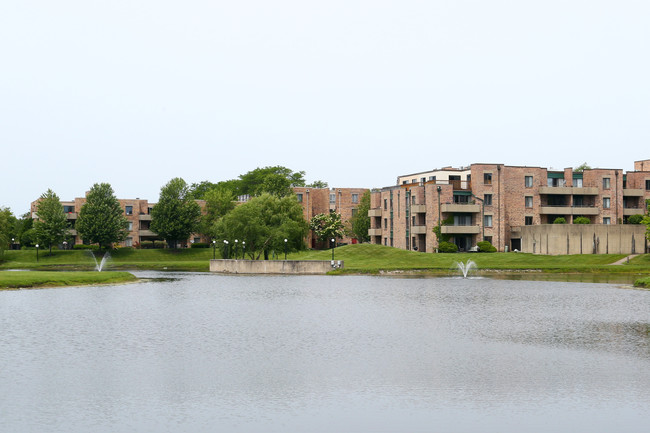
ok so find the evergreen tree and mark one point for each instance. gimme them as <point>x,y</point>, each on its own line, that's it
<point>101,219</point>
<point>361,221</point>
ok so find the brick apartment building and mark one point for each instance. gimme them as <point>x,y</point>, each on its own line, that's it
<point>494,201</point>
<point>138,213</point>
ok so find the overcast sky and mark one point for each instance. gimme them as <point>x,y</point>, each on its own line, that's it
<point>354,92</point>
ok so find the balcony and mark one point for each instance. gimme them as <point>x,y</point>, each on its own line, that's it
<point>419,230</point>
<point>569,210</point>
<point>374,212</point>
<point>71,215</point>
<point>568,190</point>
<point>460,208</point>
<point>143,217</point>
<point>461,230</point>
<point>374,232</point>
<point>629,211</point>
<point>633,193</point>
<point>146,233</point>
<point>418,208</point>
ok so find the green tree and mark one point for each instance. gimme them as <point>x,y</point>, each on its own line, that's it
<point>101,219</point>
<point>317,184</point>
<point>275,180</point>
<point>5,230</point>
<point>198,191</point>
<point>582,167</point>
<point>218,202</point>
<point>177,215</point>
<point>581,220</point>
<point>51,226</point>
<point>327,226</point>
<point>635,219</point>
<point>361,221</point>
<point>264,223</point>
<point>23,230</point>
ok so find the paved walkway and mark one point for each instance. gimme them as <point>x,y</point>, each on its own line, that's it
<point>624,259</point>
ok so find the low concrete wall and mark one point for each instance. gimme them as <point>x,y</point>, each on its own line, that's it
<point>557,239</point>
<point>292,267</point>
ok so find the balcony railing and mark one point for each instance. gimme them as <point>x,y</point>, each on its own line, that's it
<point>461,230</point>
<point>376,212</point>
<point>633,192</point>
<point>460,207</point>
<point>374,232</point>
<point>418,230</point>
<point>558,209</point>
<point>418,208</point>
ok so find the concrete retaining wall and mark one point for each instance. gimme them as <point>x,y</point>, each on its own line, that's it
<point>292,267</point>
<point>556,239</point>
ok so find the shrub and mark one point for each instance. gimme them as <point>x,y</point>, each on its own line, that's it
<point>581,220</point>
<point>447,247</point>
<point>200,245</point>
<point>146,245</point>
<point>486,247</point>
<point>85,247</point>
<point>559,220</point>
<point>635,219</point>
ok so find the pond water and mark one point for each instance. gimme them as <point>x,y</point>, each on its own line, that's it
<point>206,353</point>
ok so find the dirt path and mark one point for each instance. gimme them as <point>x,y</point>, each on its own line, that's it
<point>624,260</point>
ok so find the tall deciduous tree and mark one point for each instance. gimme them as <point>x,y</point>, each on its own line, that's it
<point>51,226</point>
<point>264,223</point>
<point>177,215</point>
<point>101,219</point>
<point>361,221</point>
<point>275,180</point>
<point>218,202</point>
<point>5,229</point>
<point>327,226</point>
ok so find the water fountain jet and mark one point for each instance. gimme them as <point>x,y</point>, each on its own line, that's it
<point>465,267</point>
<point>100,265</point>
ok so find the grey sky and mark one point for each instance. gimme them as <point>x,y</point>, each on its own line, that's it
<point>354,92</point>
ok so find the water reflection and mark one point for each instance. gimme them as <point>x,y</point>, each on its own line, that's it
<point>241,353</point>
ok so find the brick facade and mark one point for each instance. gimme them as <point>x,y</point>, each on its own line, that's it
<point>494,201</point>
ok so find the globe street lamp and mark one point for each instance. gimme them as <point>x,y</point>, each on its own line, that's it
<point>285,249</point>
<point>243,253</point>
<point>236,243</point>
<point>65,245</point>
<point>333,245</point>
<point>226,250</point>
<point>214,249</point>
<point>37,252</point>
<point>12,243</point>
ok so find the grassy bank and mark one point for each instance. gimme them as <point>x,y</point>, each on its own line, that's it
<point>643,282</point>
<point>25,279</point>
<point>363,258</point>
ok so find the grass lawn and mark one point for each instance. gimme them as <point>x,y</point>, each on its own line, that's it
<point>9,279</point>
<point>363,258</point>
<point>367,258</point>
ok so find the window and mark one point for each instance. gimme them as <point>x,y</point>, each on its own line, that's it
<point>129,242</point>
<point>68,209</point>
<point>647,185</point>
<point>413,220</point>
<point>487,220</point>
<point>129,210</point>
<point>607,220</point>
<point>332,198</point>
<point>577,183</point>
<point>606,184</point>
<point>432,178</point>
<point>528,181</point>
<point>606,203</point>
<point>528,220</point>
<point>386,241</point>
<point>385,223</point>
<point>487,199</point>
<point>149,210</point>
<point>355,198</point>
<point>487,178</point>
<point>423,179</point>
<point>385,204</point>
<point>413,200</point>
<point>404,182</point>
<point>488,238</point>
<point>354,212</point>
<point>414,180</point>
<point>130,225</point>
<point>197,240</point>
<point>529,202</point>
<point>299,198</point>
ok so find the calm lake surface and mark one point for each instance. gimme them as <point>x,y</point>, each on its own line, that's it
<point>207,353</point>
